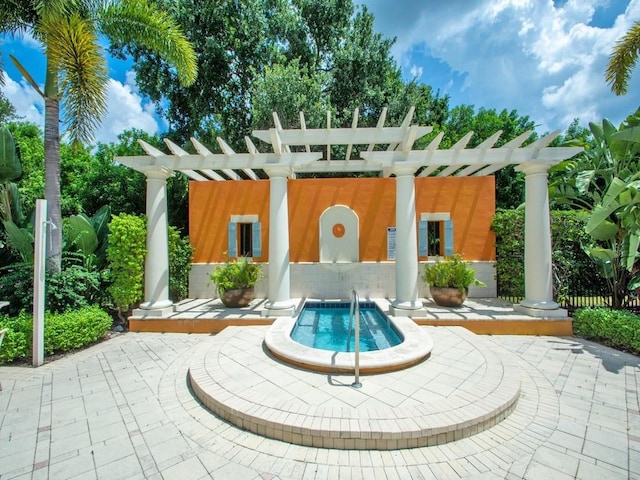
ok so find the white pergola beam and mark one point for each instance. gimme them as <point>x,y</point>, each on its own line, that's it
<point>251,148</point>
<point>518,141</point>
<point>151,150</point>
<point>379,127</point>
<point>303,127</point>
<point>175,149</point>
<point>354,126</point>
<point>219,161</point>
<point>472,156</point>
<point>338,136</point>
<point>200,148</point>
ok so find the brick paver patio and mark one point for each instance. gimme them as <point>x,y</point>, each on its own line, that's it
<point>123,409</point>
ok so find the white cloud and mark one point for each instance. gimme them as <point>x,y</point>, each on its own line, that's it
<point>416,72</point>
<point>126,110</point>
<point>544,61</point>
<point>28,103</point>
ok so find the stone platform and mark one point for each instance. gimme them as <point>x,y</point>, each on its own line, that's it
<point>464,388</point>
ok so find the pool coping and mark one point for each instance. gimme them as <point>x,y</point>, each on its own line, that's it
<point>415,348</point>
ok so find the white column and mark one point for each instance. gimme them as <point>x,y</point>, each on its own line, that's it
<point>156,278</point>
<point>278,274</point>
<point>538,299</point>
<point>406,242</point>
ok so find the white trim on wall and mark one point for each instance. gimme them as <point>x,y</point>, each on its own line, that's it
<point>244,218</point>
<point>435,217</point>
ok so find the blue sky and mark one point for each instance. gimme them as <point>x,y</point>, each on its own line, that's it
<point>544,59</point>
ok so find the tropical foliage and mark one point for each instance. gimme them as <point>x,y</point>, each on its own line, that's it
<point>572,268</point>
<point>604,181</point>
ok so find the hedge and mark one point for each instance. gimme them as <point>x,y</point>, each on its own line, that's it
<point>62,332</point>
<point>616,328</point>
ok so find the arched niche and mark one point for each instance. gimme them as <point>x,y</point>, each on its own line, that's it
<point>339,235</point>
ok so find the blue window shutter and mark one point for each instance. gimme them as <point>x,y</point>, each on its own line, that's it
<point>422,238</point>
<point>448,238</point>
<point>256,240</point>
<point>232,247</point>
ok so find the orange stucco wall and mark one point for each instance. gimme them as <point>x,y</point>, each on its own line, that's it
<point>469,200</point>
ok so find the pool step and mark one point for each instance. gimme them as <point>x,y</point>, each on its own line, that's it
<point>450,396</point>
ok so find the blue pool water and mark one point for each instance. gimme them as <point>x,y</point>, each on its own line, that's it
<point>325,325</point>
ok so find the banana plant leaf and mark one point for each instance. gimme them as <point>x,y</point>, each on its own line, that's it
<point>630,250</point>
<point>604,257</point>
<point>10,166</point>
<point>20,240</point>
<point>81,234</point>
<point>604,231</point>
<point>100,223</point>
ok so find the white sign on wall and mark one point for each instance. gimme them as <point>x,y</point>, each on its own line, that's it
<point>391,243</point>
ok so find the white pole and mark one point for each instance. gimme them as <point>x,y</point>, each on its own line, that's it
<point>39,269</point>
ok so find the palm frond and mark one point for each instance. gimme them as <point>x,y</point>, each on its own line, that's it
<point>140,22</point>
<point>623,59</point>
<point>75,55</point>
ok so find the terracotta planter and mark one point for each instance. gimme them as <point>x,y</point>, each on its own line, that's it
<point>447,296</point>
<point>237,298</point>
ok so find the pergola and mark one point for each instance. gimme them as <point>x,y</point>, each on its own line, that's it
<point>387,150</point>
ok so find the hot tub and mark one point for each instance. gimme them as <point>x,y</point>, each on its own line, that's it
<point>332,349</point>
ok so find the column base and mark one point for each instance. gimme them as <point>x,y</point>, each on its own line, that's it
<point>407,309</point>
<point>162,308</point>
<point>538,312</point>
<point>278,309</point>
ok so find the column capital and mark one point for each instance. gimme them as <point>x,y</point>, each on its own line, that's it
<point>278,171</point>
<point>532,168</point>
<point>401,170</point>
<point>158,174</point>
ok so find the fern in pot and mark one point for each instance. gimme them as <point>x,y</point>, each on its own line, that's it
<point>449,281</point>
<point>235,281</point>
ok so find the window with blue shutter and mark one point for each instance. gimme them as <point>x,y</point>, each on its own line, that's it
<point>256,239</point>
<point>448,238</point>
<point>422,238</point>
<point>232,244</point>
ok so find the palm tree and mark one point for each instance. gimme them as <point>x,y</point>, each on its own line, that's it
<point>623,59</point>
<point>76,70</point>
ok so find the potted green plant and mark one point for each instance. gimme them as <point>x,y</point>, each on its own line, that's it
<point>449,281</point>
<point>235,281</point>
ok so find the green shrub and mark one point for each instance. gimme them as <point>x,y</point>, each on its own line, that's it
<point>75,329</point>
<point>616,328</point>
<point>17,339</point>
<point>72,288</point>
<point>62,332</point>
<point>126,254</point>
<point>16,287</point>
<point>180,256</point>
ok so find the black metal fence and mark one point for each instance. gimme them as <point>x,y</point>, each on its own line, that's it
<point>581,299</point>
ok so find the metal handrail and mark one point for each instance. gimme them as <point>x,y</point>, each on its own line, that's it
<point>354,312</point>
